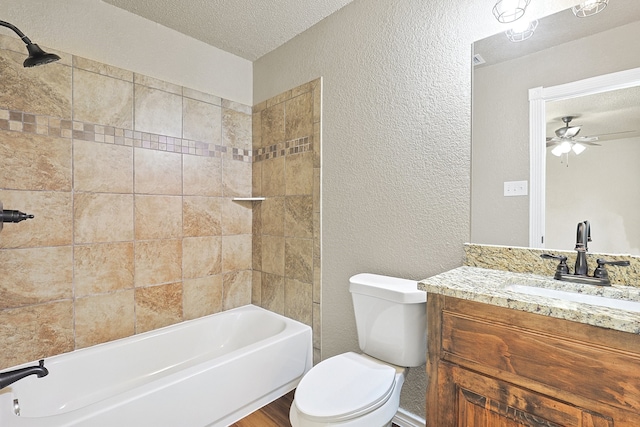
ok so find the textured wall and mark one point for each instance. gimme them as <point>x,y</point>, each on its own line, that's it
<point>130,180</point>
<point>96,30</point>
<point>396,131</point>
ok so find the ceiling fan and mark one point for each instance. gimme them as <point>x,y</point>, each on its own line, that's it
<point>567,139</point>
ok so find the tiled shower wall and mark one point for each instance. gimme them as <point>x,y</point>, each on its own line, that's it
<point>131,181</point>
<point>286,225</point>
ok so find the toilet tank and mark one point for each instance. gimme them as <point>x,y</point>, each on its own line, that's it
<point>391,318</point>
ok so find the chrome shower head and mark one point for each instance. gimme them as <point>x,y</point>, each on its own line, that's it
<point>37,56</point>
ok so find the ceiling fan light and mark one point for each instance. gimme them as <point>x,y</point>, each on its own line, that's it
<point>565,147</point>
<point>557,151</point>
<point>507,11</point>
<point>520,33</point>
<point>589,8</point>
<point>578,148</point>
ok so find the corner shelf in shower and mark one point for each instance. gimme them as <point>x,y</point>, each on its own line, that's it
<point>248,199</point>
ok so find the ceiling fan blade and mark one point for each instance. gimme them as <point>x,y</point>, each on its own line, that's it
<point>592,144</point>
<point>586,139</point>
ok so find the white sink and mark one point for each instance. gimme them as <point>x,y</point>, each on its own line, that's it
<point>598,300</point>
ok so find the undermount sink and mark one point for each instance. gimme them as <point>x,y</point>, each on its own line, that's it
<point>579,297</point>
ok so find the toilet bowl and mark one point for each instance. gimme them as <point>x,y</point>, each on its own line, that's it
<point>363,390</point>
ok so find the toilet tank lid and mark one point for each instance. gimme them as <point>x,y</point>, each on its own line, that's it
<point>389,288</point>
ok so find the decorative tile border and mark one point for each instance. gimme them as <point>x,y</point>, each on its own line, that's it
<point>294,146</point>
<point>20,121</point>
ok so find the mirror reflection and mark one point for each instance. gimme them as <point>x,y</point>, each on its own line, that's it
<point>564,49</point>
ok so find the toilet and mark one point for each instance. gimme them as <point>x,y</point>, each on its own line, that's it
<point>363,390</point>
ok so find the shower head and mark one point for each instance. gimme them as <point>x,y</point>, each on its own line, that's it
<point>37,56</point>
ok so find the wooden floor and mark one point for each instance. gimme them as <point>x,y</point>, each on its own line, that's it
<point>275,414</point>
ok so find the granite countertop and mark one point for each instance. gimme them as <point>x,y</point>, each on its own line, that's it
<point>497,288</point>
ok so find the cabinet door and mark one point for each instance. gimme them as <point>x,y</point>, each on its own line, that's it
<point>487,402</point>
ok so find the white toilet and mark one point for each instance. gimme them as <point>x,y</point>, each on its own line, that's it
<point>363,390</point>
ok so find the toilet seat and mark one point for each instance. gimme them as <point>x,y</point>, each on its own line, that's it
<point>344,387</point>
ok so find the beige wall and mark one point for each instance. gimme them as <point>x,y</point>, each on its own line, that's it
<point>396,166</point>
<point>131,182</point>
<point>286,233</point>
<point>501,124</point>
<point>102,32</point>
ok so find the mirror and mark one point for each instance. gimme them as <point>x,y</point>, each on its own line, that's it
<point>563,50</point>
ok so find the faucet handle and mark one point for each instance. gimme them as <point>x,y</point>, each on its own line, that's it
<point>601,272</point>
<point>562,267</point>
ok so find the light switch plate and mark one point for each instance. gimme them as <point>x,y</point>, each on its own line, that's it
<point>516,188</point>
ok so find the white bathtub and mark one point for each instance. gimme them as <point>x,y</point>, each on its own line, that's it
<point>210,371</point>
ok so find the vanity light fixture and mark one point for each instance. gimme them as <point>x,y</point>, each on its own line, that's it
<point>37,56</point>
<point>521,31</point>
<point>589,8</point>
<point>507,11</point>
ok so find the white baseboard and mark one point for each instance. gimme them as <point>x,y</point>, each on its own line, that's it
<point>407,419</point>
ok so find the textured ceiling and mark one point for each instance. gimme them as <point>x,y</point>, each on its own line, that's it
<point>249,28</point>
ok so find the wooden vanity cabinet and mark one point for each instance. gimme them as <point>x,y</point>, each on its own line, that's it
<point>490,366</point>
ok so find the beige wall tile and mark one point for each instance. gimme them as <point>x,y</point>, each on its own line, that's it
<point>202,176</point>
<point>236,178</point>
<point>317,326</point>
<point>298,301</point>
<point>256,258</point>
<point>273,216</point>
<point>102,100</point>
<point>256,179</point>
<point>202,256</point>
<point>100,68</point>
<point>272,121</point>
<point>41,90</point>
<point>28,277</point>
<point>202,121</point>
<point>299,174</point>
<point>202,216</point>
<point>237,289</point>
<point>298,259</point>
<point>316,141</point>
<point>103,217</point>
<point>317,281</point>
<point>103,268</point>
<point>201,96</point>
<point>35,162</point>
<point>236,129</point>
<point>298,216</point>
<point>104,168</point>
<point>103,318</point>
<point>158,261</point>
<point>236,252</point>
<point>317,100</point>
<point>236,217</point>
<point>157,172</point>
<point>158,306</point>
<point>141,79</point>
<point>158,217</point>
<point>272,294</point>
<point>316,190</point>
<point>236,106</point>
<point>273,254</point>
<point>299,116</point>
<point>44,330</point>
<point>273,177</point>
<point>256,287</point>
<point>157,111</point>
<point>52,225</point>
<point>256,130</point>
<point>202,296</point>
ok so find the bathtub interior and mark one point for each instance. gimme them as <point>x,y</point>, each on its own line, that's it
<point>85,377</point>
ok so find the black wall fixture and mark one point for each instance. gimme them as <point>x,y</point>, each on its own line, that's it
<point>12,216</point>
<point>37,56</point>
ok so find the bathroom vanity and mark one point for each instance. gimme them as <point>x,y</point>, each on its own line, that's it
<point>512,349</point>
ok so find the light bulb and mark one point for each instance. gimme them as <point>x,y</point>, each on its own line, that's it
<point>557,151</point>
<point>578,148</point>
<point>565,147</point>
